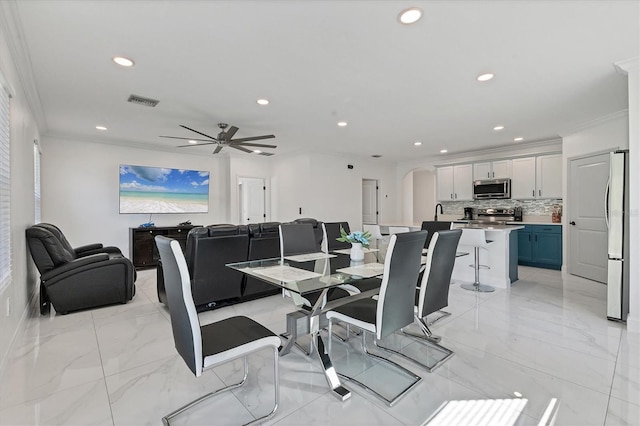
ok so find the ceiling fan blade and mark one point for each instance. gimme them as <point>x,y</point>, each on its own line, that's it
<point>200,133</point>
<point>196,144</point>
<point>259,145</point>
<point>218,149</point>
<point>229,133</point>
<point>241,148</point>
<point>268,154</point>
<point>253,138</point>
<point>186,139</point>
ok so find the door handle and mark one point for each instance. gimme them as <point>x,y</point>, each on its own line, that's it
<point>572,223</point>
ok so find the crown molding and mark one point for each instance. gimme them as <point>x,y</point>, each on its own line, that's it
<point>623,113</point>
<point>14,33</point>
<point>543,146</point>
<point>628,65</point>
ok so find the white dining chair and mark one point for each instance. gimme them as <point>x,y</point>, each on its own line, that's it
<point>398,229</point>
<point>374,230</point>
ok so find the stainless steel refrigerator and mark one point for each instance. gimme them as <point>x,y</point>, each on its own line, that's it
<point>617,216</point>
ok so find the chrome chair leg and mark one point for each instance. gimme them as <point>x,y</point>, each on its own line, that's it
<point>166,419</point>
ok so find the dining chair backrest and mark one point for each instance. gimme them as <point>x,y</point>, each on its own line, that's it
<point>374,230</point>
<point>297,238</point>
<point>432,227</point>
<point>332,232</point>
<point>184,317</point>
<point>434,288</point>
<point>398,230</point>
<point>397,292</point>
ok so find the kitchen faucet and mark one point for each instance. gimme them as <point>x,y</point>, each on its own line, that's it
<point>436,216</point>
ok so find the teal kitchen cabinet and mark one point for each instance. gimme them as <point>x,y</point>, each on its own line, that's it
<point>540,246</point>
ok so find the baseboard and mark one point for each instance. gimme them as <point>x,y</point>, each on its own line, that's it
<point>633,323</point>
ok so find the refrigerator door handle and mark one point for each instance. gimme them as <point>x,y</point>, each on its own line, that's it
<point>606,202</point>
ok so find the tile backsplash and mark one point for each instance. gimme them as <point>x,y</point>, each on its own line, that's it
<point>529,207</point>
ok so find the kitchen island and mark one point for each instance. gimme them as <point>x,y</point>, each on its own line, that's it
<point>501,256</point>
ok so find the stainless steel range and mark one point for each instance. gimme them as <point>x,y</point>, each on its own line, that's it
<point>495,216</point>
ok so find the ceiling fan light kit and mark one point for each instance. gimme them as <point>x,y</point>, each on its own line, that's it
<point>225,138</point>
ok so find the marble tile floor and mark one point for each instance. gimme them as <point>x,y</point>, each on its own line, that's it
<point>540,353</point>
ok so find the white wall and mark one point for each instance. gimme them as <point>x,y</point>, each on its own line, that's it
<point>291,187</point>
<point>424,195</point>
<point>407,199</point>
<point>15,298</point>
<point>336,193</point>
<point>80,189</point>
<point>326,189</point>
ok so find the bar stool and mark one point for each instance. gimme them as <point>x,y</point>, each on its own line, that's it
<point>477,239</point>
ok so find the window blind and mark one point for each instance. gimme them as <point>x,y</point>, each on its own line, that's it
<point>36,182</point>
<point>5,190</point>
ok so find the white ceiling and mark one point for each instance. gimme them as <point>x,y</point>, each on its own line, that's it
<point>320,62</point>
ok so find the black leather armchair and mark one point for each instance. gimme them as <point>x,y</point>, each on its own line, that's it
<point>78,278</point>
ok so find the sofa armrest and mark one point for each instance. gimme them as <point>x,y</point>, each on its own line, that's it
<point>77,263</point>
<point>101,249</point>
<point>88,247</point>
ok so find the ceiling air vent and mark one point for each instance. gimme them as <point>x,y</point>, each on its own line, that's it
<point>135,99</point>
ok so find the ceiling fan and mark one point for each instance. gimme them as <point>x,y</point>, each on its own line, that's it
<point>224,139</point>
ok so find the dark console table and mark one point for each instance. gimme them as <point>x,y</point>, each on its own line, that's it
<point>142,246</point>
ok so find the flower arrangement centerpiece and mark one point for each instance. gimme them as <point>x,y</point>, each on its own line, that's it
<point>358,240</point>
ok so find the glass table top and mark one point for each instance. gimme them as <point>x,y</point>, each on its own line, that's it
<point>309,276</point>
<point>324,271</point>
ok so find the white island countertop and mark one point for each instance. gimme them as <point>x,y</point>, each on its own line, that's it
<point>488,227</point>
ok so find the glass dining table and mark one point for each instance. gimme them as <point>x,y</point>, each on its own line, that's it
<point>302,275</point>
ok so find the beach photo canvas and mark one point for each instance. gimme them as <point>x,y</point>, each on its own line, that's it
<point>161,190</point>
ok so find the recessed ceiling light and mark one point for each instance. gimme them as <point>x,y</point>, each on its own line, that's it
<point>101,128</point>
<point>257,151</point>
<point>122,61</point>
<point>263,102</point>
<point>443,151</point>
<point>485,77</point>
<point>498,128</point>
<point>417,143</point>
<point>518,139</point>
<point>192,141</point>
<point>410,16</point>
<point>342,124</point>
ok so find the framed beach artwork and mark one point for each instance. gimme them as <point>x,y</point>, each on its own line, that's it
<point>160,190</point>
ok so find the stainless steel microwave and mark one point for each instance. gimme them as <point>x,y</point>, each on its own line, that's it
<point>491,188</point>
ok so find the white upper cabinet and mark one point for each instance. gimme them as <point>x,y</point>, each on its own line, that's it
<point>454,183</point>
<point>444,183</point>
<point>549,176</point>
<point>523,179</point>
<point>537,177</point>
<point>492,170</point>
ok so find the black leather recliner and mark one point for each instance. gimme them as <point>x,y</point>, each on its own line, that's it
<point>208,250</point>
<point>81,277</point>
<point>264,243</point>
<point>317,229</point>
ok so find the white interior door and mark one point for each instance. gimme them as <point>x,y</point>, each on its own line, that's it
<point>252,200</point>
<point>369,201</point>
<point>587,229</point>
